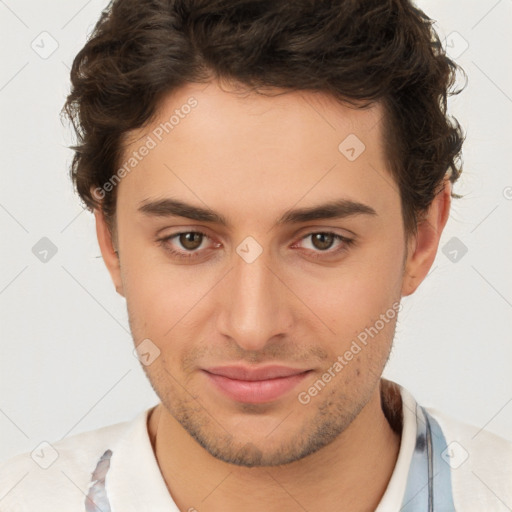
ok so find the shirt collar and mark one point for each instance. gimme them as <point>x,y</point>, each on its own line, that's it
<point>134,482</point>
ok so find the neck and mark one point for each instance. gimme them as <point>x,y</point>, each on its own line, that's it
<point>351,473</point>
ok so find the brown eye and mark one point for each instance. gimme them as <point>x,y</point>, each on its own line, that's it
<point>322,241</point>
<point>191,240</point>
<point>186,245</point>
<point>319,244</point>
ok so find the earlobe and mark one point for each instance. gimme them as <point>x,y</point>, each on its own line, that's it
<point>108,250</point>
<point>422,247</point>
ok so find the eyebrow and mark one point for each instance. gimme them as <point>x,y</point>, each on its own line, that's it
<point>337,209</point>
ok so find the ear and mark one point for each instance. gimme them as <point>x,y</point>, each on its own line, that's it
<point>422,247</point>
<point>108,250</point>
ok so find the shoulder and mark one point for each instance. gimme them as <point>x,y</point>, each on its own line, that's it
<point>57,474</point>
<point>480,462</point>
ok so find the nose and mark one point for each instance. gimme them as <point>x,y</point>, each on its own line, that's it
<point>256,304</point>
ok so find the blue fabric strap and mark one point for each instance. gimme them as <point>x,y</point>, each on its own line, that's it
<point>97,499</point>
<point>429,486</point>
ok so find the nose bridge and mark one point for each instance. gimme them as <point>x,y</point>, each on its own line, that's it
<point>252,300</point>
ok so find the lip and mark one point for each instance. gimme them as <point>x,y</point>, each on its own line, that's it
<point>255,385</point>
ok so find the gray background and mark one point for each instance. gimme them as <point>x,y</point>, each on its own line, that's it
<point>66,361</point>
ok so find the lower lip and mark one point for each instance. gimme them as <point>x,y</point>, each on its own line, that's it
<point>257,391</point>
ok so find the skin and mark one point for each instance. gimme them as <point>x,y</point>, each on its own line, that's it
<point>251,158</point>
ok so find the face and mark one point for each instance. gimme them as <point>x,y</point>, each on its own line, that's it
<point>252,302</point>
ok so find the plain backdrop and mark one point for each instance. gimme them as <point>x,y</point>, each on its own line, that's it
<point>66,360</point>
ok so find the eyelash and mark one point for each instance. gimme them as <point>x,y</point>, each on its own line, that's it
<point>347,242</point>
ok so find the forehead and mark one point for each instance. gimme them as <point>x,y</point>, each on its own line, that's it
<point>212,145</point>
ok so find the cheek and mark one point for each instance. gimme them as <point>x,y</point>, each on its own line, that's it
<point>354,295</point>
<point>162,299</point>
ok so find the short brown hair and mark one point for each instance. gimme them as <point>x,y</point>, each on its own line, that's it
<point>357,51</point>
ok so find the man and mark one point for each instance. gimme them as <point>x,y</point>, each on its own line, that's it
<point>268,180</point>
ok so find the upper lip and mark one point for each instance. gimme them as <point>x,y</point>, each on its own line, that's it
<point>253,374</point>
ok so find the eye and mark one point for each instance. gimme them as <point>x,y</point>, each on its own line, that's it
<point>322,241</point>
<point>190,241</point>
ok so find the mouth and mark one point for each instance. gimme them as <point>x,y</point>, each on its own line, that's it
<point>255,385</point>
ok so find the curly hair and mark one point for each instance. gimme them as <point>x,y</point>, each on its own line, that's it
<point>357,51</point>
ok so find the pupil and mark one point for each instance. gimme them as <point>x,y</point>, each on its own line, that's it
<point>189,240</point>
<point>321,237</point>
